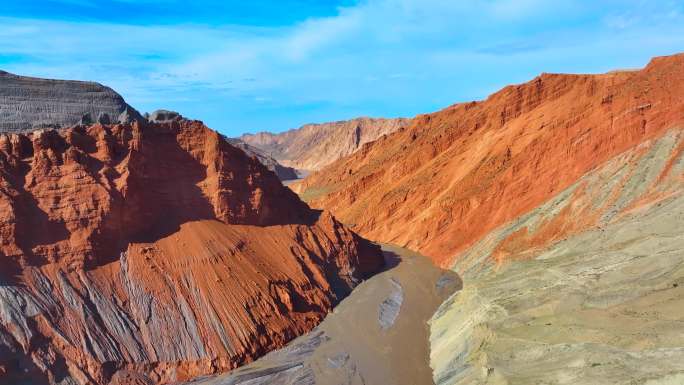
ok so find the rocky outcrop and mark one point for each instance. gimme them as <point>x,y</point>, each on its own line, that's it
<point>314,146</point>
<point>453,176</point>
<point>148,253</point>
<point>28,103</point>
<point>284,173</point>
<point>163,116</point>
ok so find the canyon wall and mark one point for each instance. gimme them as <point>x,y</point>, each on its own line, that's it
<point>560,202</point>
<point>148,253</point>
<point>453,176</point>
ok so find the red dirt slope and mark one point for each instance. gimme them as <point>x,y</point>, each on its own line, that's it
<point>152,253</point>
<point>455,175</point>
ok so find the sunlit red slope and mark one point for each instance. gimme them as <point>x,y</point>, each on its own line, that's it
<point>455,175</point>
<point>145,254</point>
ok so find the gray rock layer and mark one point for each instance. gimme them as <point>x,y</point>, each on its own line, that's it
<point>601,306</point>
<point>161,116</point>
<point>28,103</point>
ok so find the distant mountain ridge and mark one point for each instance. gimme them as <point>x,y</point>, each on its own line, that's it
<point>314,146</point>
<point>284,173</point>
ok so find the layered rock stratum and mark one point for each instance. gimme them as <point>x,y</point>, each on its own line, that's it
<point>313,146</point>
<point>588,288</point>
<point>453,176</point>
<point>28,103</point>
<point>150,253</point>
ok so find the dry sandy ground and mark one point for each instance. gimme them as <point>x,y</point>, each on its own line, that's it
<point>378,335</point>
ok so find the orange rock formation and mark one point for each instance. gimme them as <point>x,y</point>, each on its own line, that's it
<point>145,254</point>
<point>455,175</point>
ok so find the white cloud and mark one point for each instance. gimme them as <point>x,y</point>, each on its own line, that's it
<point>383,57</point>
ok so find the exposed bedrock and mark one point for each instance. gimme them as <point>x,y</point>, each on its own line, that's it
<point>27,104</point>
<point>148,253</point>
<point>587,288</point>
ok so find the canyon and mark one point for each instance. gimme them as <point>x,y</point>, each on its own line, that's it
<point>531,237</point>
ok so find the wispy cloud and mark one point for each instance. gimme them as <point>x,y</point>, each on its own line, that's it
<point>375,57</point>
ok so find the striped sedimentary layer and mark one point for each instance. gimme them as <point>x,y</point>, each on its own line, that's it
<point>454,176</point>
<point>587,288</point>
<point>28,103</point>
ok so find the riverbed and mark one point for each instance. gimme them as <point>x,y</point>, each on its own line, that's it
<point>377,335</point>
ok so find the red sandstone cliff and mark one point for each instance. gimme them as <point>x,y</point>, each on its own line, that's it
<point>455,175</point>
<point>144,254</point>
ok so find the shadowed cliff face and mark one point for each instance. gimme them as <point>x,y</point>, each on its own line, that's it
<point>283,173</point>
<point>455,175</point>
<point>150,253</point>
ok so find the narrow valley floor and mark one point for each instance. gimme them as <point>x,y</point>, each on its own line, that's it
<point>377,335</point>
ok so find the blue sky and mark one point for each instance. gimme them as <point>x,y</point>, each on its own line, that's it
<point>246,66</point>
